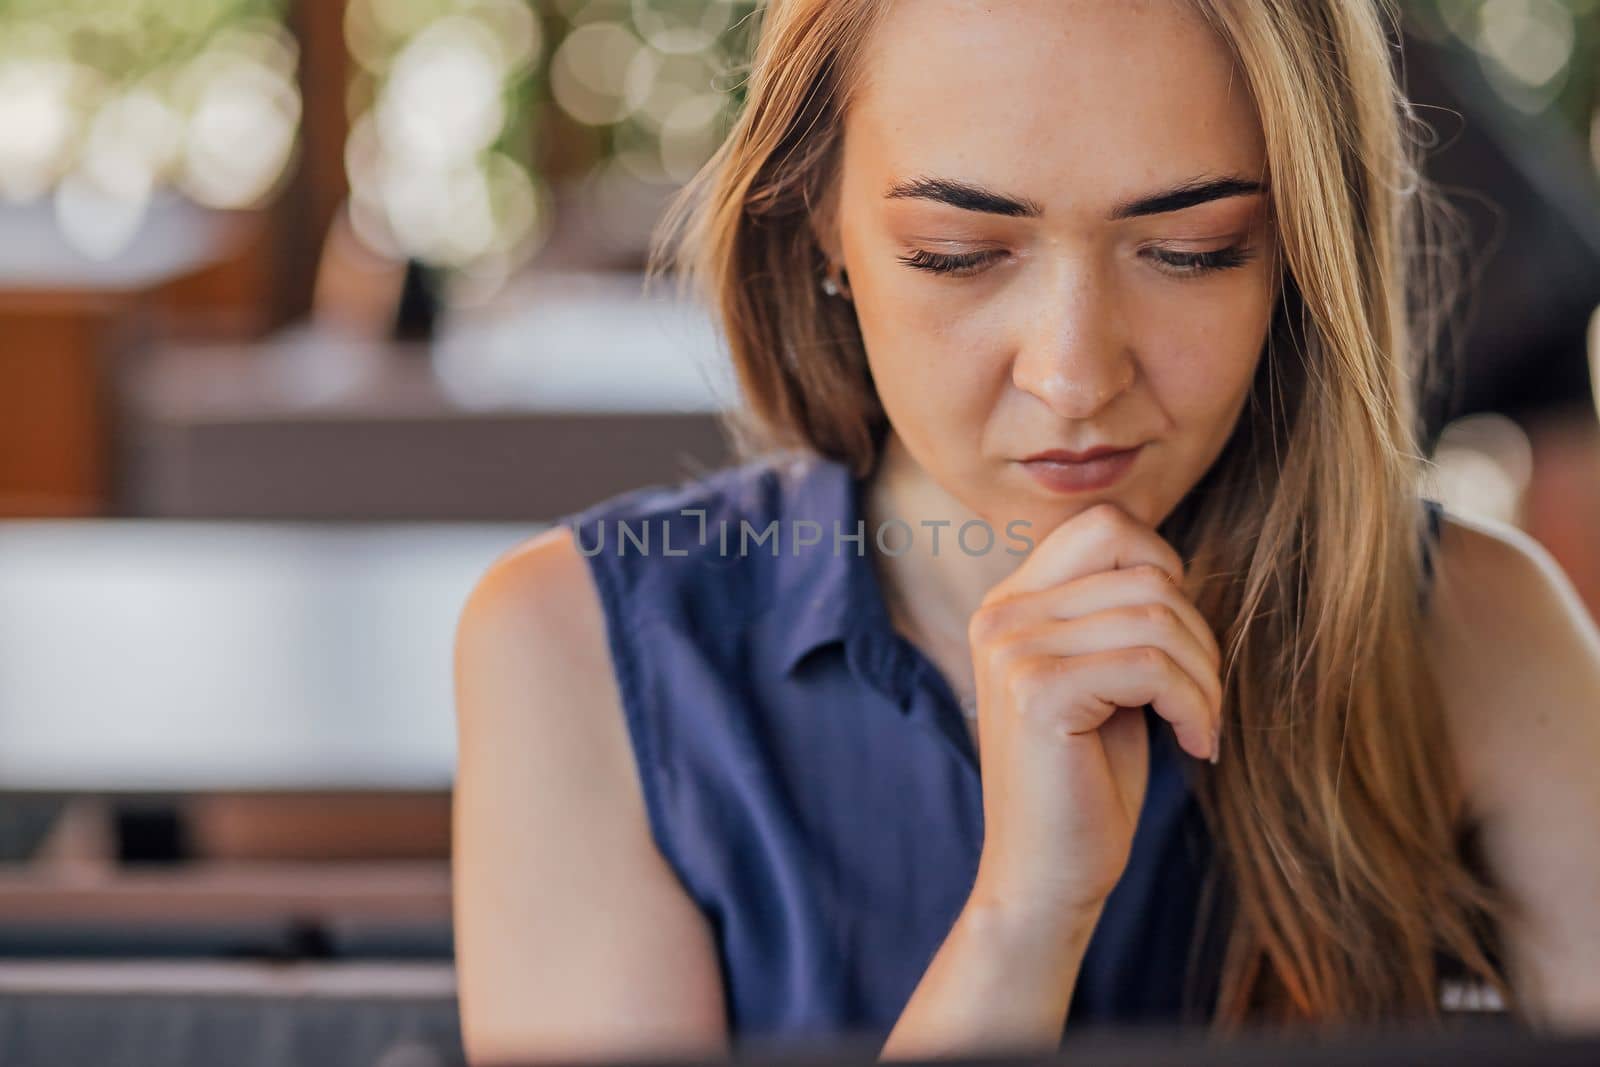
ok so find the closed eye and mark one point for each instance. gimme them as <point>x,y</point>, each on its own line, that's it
<point>1185,264</point>
<point>943,263</point>
<point>1177,264</point>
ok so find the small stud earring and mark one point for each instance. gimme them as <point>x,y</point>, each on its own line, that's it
<point>839,286</point>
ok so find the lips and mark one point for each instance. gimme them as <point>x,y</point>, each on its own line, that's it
<point>1061,455</point>
<point>1096,468</point>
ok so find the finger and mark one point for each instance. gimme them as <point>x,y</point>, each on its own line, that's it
<point>1101,538</point>
<point>1102,591</point>
<point>1136,625</point>
<point>1086,690</point>
<point>1140,585</point>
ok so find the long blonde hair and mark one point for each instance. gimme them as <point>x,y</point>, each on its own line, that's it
<point>1336,807</point>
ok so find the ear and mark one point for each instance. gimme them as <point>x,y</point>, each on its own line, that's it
<point>824,223</point>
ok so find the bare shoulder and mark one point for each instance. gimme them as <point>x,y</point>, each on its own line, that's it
<point>540,598</point>
<point>531,662</point>
<point>1516,650</point>
<point>573,934</point>
<point>1518,658</point>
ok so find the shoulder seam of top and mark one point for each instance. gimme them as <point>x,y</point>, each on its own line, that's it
<point>688,494</point>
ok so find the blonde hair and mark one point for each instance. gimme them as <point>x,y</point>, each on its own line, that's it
<point>1336,808</point>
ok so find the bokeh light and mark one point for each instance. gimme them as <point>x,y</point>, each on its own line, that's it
<point>439,158</point>
<point>1541,56</point>
<point>244,110</point>
<point>1529,48</point>
<point>1482,466</point>
<point>654,84</point>
<point>601,73</point>
<point>103,106</point>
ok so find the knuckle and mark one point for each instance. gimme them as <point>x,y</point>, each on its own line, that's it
<point>1149,659</point>
<point>1152,575</point>
<point>1003,653</point>
<point>1104,517</point>
<point>987,623</point>
<point>1158,614</point>
<point>1028,679</point>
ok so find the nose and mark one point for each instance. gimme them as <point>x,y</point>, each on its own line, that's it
<point>1076,358</point>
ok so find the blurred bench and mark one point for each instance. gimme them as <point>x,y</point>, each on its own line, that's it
<point>283,911</point>
<point>183,658</point>
<point>576,388</point>
<point>239,1014</point>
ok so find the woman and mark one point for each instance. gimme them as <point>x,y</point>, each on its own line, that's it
<point>1234,754</point>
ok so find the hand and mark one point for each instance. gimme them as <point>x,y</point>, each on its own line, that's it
<point>1067,650</point>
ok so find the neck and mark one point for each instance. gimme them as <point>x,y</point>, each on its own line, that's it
<point>931,594</point>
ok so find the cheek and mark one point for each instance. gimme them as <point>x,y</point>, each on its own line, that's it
<point>929,361</point>
<point>932,350</point>
<point>1201,362</point>
<point>1197,384</point>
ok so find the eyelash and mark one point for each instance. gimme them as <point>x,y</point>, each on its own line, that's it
<point>940,263</point>
<point>1177,264</point>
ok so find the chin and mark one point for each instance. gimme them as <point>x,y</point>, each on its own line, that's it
<point>1045,516</point>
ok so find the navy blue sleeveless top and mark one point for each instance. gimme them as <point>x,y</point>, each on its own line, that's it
<point>808,775</point>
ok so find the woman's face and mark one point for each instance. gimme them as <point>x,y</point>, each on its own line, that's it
<point>1027,267</point>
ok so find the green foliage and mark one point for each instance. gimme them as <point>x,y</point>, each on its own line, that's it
<point>1543,56</point>
<point>122,40</point>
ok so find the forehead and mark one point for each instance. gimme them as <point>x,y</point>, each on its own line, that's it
<point>1064,101</point>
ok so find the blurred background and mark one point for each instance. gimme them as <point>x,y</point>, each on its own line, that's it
<point>311,308</point>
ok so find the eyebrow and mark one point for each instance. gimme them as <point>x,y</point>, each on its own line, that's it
<point>970,197</point>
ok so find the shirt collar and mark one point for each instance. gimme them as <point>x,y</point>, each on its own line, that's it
<point>833,593</point>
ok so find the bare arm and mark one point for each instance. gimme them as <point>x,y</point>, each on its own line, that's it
<point>1519,658</point>
<point>574,937</point>
<point>997,983</point>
